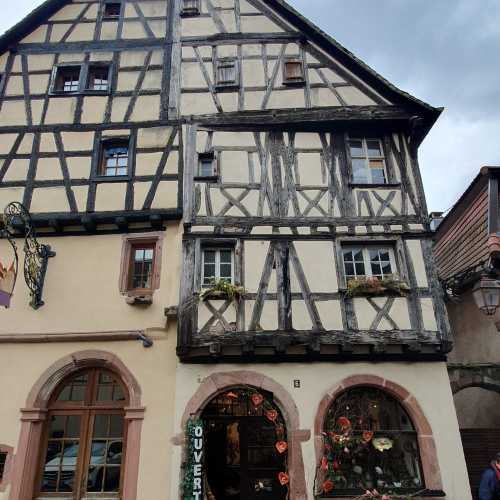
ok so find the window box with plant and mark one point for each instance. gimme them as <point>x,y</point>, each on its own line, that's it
<point>371,271</point>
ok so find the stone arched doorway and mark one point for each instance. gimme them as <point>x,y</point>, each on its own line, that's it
<point>476,392</point>
<point>220,384</point>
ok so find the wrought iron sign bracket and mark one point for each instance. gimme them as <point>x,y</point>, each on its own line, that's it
<point>17,222</point>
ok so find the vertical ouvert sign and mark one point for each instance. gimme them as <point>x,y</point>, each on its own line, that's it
<point>197,448</point>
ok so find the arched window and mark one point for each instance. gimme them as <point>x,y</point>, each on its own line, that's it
<point>84,437</point>
<point>369,443</point>
<point>246,448</point>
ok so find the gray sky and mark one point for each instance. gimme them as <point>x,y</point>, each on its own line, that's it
<point>445,52</point>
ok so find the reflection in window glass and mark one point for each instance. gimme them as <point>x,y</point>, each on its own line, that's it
<point>115,158</point>
<point>368,261</point>
<point>217,265</point>
<point>142,267</point>
<point>368,162</point>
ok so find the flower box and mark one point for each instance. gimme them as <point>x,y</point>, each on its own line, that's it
<point>371,286</point>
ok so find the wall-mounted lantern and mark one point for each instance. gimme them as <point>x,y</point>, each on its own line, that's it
<point>16,221</point>
<point>486,293</point>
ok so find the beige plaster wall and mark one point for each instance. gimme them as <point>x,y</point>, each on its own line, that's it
<point>477,408</point>
<point>81,288</point>
<point>428,382</point>
<point>476,339</point>
<point>154,369</point>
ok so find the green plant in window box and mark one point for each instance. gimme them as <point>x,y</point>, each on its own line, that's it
<point>371,285</point>
<point>223,289</point>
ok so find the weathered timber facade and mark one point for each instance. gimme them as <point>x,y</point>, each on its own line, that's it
<point>163,146</point>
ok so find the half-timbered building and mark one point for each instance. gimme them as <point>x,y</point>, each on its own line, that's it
<point>223,170</point>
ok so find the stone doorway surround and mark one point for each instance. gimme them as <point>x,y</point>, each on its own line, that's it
<point>221,382</point>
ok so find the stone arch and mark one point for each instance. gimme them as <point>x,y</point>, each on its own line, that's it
<point>485,376</point>
<point>34,414</point>
<point>217,383</point>
<point>427,445</point>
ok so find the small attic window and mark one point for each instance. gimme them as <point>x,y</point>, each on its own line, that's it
<point>112,10</point>
<point>293,71</point>
<point>227,75</point>
<point>190,8</point>
<point>207,166</point>
<point>67,79</point>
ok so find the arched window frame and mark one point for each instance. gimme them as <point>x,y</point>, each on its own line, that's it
<point>427,445</point>
<point>88,409</point>
<point>34,414</point>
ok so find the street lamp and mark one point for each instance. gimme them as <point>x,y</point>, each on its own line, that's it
<point>486,293</point>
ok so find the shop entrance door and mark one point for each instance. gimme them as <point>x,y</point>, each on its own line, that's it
<point>241,458</point>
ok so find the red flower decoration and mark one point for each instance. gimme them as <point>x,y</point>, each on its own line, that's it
<point>324,463</point>
<point>283,478</point>
<point>335,465</point>
<point>328,486</point>
<point>367,436</point>
<point>328,447</point>
<point>337,438</point>
<point>281,446</point>
<point>272,415</point>
<point>257,399</point>
<point>344,423</point>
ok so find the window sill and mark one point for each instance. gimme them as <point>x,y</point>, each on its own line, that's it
<point>339,494</point>
<point>190,13</point>
<point>111,178</point>
<point>371,293</point>
<point>230,87</point>
<point>139,299</point>
<point>387,185</point>
<point>76,93</point>
<point>296,83</point>
<point>200,178</point>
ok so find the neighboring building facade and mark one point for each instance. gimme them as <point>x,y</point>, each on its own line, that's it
<point>311,331</point>
<point>467,247</point>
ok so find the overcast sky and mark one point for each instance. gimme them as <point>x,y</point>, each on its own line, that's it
<point>446,52</point>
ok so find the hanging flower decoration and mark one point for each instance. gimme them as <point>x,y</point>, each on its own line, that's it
<point>328,486</point>
<point>281,446</point>
<point>283,478</point>
<point>272,415</point>
<point>382,443</point>
<point>344,423</point>
<point>367,436</point>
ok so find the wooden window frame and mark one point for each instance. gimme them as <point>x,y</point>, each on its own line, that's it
<point>83,80</point>
<point>366,158</point>
<point>7,469</point>
<point>108,17</point>
<point>214,158</point>
<point>366,258</point>
<point>227,85</point>
<point>289,81</point>
<point>86,409</point>
<point>191,10</point>
<point>100,175</point>
<point>131,241</point>
<point>217,249</point>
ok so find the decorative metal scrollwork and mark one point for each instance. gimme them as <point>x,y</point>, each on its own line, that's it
<point>18,220</point>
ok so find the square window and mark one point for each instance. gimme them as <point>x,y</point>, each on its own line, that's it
<point>190,8</point>
<point>114,158</point>
<point>217,265</point>
<point>207,166</point>
<point>98,78</point>
<point>67,79</point>
<point>226,74</point>
<point>293,71</point>
<point>368,261</point>
<point>112,10</point>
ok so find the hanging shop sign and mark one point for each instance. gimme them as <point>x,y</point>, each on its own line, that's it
<point>16,222</point>
<point>193,481</point>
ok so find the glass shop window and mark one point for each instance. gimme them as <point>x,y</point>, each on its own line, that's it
<point>115,158</point>
<point>368,161</point>
<point>368,261</point>
<point>85,437</point>
<point>218,264</point>
<point>369,443</point>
